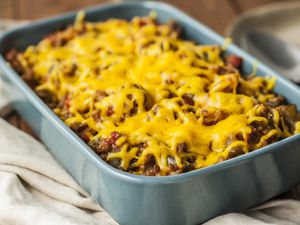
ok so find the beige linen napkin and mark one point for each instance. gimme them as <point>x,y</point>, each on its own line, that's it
<point>35,189</point>
<point>279,212</point>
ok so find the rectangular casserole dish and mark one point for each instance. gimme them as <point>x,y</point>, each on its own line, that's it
<point>189,198</point>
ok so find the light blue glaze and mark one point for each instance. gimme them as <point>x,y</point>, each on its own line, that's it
<point>189,198</point>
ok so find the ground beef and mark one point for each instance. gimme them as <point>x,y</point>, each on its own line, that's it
<point>234,60</point>
<point>289,115</point>
<point>276,101</point>
<point>235,151</point>
<point>213,118</point>
<point>188,99</point>
<point>181,148</point>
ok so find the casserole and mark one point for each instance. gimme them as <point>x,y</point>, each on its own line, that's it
<point>190,109</point>
<point>189,198</point>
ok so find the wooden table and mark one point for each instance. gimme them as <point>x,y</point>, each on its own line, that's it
<point>217,14</point>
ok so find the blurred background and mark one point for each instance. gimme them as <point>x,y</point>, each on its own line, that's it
<point>217,14</point>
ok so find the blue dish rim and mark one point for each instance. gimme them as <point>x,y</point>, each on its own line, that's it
<point>85,149</point>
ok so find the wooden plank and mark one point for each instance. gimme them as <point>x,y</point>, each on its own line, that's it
<point>244,5</point>
<point>216,14</point>
<point>13,118</point>
<point>6,7</point>
<point>25,127</point>
<point>34,9</point>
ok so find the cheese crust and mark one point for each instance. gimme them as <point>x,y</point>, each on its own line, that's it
<point>149,102</point>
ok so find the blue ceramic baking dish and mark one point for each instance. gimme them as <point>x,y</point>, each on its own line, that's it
<point>189,198</point>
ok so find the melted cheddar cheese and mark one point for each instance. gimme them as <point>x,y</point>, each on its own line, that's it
<point>177,99</point>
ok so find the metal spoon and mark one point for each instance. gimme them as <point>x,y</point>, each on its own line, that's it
<point>281,56</point>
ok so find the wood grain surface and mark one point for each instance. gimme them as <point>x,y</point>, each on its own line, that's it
<point>217,14</point>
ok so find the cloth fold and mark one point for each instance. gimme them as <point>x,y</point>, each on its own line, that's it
<point>35,189</point>
<point>279,212</point>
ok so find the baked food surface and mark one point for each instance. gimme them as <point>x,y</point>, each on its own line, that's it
<point>150,103</point>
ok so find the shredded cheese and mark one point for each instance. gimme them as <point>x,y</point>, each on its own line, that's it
<point>144,82</point>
